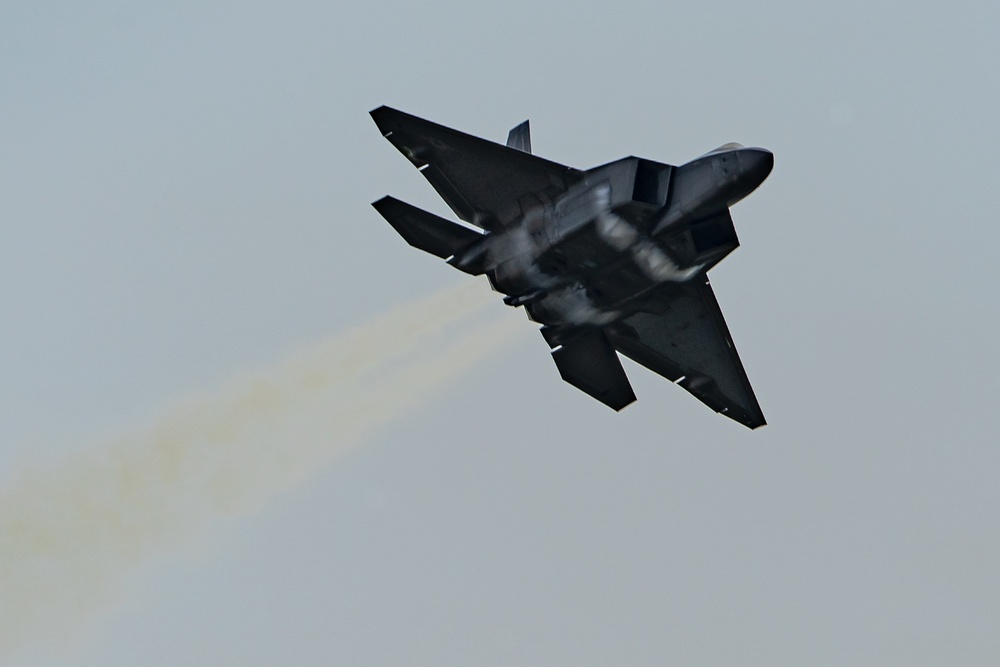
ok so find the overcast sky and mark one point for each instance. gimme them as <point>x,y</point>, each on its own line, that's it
<point>184,199</point>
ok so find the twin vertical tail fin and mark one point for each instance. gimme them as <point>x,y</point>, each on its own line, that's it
<point>520,138</point>
<point>457,244</point>
<point>591,364</point>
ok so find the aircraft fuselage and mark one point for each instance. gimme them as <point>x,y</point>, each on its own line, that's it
<point>625,229</point>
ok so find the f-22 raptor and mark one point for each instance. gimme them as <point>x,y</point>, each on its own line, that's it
<point>609,260</point>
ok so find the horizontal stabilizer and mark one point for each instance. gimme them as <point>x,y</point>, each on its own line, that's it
<point>424,230</point>
<point>520,138</point>
<point>590,363</point>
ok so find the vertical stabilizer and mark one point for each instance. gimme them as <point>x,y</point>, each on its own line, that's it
<point>520,138</point>
<point>590,364</point>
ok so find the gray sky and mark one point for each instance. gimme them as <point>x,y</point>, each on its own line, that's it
<point>184,198</point>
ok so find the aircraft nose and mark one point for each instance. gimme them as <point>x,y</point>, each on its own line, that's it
<point>757,164</point>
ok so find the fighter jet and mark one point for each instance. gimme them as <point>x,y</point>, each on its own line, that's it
<point>608,260</point>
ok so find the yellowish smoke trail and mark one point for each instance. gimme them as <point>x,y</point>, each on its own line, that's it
<point>70,535</point>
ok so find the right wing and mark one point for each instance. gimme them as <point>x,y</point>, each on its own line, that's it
<point>687,341</point>
<point>483,182</point>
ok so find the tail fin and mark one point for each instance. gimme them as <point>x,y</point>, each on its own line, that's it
<point>520,138</point>
<point>590,363</point>
<point>428,232</point>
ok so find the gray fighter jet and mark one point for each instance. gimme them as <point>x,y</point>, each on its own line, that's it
<point>611,259</point>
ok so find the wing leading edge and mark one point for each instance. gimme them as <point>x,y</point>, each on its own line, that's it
<point>483,182</point>
<point>687,341</point>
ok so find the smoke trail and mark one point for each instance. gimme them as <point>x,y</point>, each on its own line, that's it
<point>70,535</point>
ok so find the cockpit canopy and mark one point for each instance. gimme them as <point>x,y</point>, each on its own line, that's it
<point>731,146</point>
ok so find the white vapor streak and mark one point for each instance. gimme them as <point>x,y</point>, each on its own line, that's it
<point>70,535</point>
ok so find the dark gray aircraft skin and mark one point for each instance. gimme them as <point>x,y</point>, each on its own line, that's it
<point>609,260</point>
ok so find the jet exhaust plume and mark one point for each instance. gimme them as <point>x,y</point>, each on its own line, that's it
<point>71,534</point>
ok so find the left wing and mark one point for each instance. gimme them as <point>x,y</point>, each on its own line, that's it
<point>685,339</point>
<point>483,182</point>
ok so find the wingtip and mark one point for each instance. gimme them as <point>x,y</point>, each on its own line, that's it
<point>381,116</point>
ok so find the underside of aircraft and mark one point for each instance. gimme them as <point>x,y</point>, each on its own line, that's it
<point>611,260</point>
